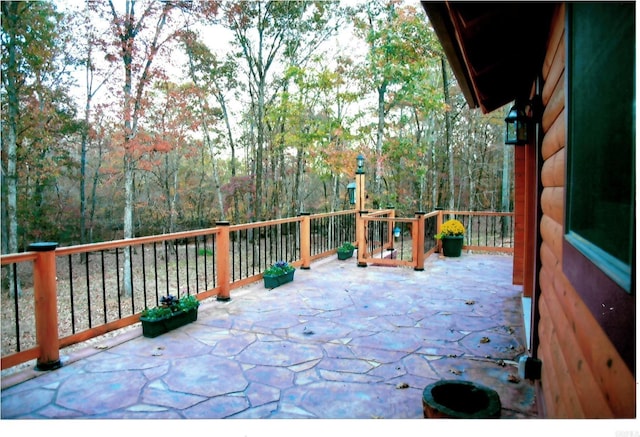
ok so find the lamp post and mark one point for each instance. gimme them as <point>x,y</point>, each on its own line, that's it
<point>360,192</point>
<point>360,206</point>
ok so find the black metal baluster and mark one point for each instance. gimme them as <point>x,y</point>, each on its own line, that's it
<point>133,304</point>
<point>186,255</point>
<point>240,257</point>
<point>144,277</point>
<point>104,287</point>
<point>206,274</point>
<point>16,308</point>
<point>213,259</point>
<point>233,255</point>
<point>403,228</point>
<point>276,243</point>
<point>246,253</point>
<point>155,269</point>
<point>166,266</point>
<point>118,284</point>
<point>493,229</point>
<point>272,256</point>
<point>283,247</point>
<point>260,252</point>
<point>197,239</point>
<point>86,267</point>
<point>175,245</point>
<point>73,313</point>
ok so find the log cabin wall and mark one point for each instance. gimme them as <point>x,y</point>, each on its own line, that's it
<point>583,376</point>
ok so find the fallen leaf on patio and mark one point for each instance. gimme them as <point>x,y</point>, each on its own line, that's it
<point>156,354</point>
<point>484,340</point>
<point>502,363</point>
<point>456,371</point>
<point>402,385</point>
<point>513,378</point>
<point>160,348</point>
<point>470,302</point>
<point>102,346</point>
<point>452,356</point>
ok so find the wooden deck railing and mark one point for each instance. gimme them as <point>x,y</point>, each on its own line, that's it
<point>66,295</point>
<point>391,241</point>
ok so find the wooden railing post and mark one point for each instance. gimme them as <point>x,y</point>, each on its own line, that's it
<point>418,242</point>
<point>438,227</point>
<point>222,262</point>
<point>46,305</point>
<point>305,240</point>
<point>361,238</point>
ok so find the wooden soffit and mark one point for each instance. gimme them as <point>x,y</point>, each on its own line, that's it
<point>496,50</point>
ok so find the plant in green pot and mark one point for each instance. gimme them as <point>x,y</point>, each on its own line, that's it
<point>278,274</point>
<point>172,313</point>
<point>345,251</point>
<point>452,236</point>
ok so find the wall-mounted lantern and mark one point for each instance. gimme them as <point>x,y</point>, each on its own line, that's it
<point>351,189</point>
<point>396,232</point>
<point>518,124</point>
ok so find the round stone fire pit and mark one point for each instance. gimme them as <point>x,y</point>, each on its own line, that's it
<point>460,400</point>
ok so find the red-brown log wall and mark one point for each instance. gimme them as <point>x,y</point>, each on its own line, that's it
<point>583,376</point>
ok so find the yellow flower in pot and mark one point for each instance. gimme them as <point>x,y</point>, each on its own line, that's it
<point>452,236</point>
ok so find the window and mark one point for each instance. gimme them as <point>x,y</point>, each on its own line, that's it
<point>600,215</point>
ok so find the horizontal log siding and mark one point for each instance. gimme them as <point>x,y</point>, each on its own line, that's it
<point>583,376</point>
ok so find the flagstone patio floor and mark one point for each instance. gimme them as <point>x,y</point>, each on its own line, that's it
<point>340,341</point>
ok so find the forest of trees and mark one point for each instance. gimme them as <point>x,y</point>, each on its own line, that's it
<point>124,118</point>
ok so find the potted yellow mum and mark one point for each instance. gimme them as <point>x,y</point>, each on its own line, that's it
<point>452,236</point>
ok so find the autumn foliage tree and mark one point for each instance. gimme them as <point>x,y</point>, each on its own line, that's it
<point>38,120</point>
<point>139,34</point>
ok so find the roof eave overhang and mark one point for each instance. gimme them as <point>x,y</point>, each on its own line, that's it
<point>492,64</point>
<point>438,13</point>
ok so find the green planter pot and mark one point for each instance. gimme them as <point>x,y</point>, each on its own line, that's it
<point>345,254</point>
<point>452,246</point>
<point>276,281</point>
<point>154,328</point>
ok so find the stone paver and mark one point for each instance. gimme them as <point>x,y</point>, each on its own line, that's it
<point>340,341</point>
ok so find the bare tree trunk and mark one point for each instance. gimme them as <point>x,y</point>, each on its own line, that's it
<point>128,222</point>
<point>94,188</point>
<point>448,143</point>
<point>298,182</point>
<point>335,196</point>
<point>10,12</point>
<point>382,89</point>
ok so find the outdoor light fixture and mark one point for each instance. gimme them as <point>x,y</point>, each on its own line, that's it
<point>520,121</point>
<point>351,189</point>
<point>360,162</point>
<point>396,232</point>
<point>517,125</point>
